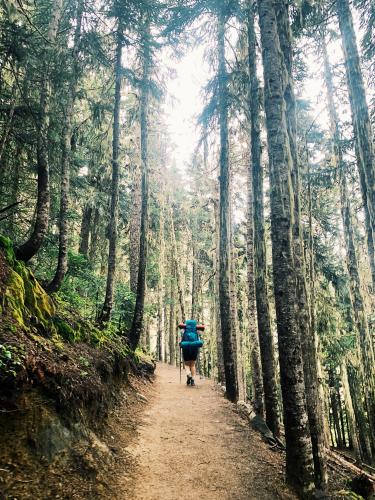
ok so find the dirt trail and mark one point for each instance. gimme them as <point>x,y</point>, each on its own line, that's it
<point>191,444</point>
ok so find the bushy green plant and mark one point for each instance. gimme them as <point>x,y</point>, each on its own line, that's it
<point>11,360</point>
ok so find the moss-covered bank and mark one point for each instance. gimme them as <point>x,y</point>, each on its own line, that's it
<point>60,376</point>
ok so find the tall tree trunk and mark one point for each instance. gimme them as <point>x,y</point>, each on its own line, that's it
<point>363,133</point>
<point>299,463</point>
<point>225,223</point>
<point>134,229</point>
<point>219,339</point>
<point>172,323</point>
<point>267,349</point>
<point>105,314</point>
<point>161,318</point>
<point>309,342</point>
<point>136,328</point>
<point>256,368</point>
<point>28,249</point>
<point>62,264</point>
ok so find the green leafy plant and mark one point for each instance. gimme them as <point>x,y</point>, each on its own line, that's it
<point>11,360</point>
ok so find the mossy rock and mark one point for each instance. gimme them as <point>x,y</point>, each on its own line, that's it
<point>24,297</point>
<point>65,330</point>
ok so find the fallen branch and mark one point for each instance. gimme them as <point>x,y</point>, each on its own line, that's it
<point>336,458</point>
<point>5,209</point>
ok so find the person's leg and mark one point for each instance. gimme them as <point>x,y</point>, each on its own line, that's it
<point>188,371</point>
<point>192,368</point>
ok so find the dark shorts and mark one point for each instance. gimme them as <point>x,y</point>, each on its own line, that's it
<point>190,353</point>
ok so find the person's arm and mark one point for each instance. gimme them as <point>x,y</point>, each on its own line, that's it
<point>201,327</point>
<point>182,325</point>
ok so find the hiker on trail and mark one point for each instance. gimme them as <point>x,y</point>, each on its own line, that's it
<point>190,344</point>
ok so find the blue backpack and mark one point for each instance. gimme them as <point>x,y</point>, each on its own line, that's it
<point>190,338</point>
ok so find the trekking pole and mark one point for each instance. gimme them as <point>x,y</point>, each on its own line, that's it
<point>180,364</point>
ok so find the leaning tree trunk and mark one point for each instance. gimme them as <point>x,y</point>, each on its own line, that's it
<point>136,328</point>
<point>108,300</point>
<point>266,342</point>
<point>28,249</point>
<point>225,222</point>
<point>363,133</point>
<point>299,463</point>
<point>62,263</point>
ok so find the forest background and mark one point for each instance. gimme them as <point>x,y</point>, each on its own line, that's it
<point>264,233</point>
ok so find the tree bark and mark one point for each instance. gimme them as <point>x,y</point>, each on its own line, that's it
<point>136,328</point>
<point>105,314</point>
<point>219,339</point>
<point>267,349</point>
<point>299,464</point>
<point>309,342</point>
<point>363,133</point>
<point>28,249</point>
<point>62,264</point>
<point>85,230</point>
<point>172,323</point>
<point>135,224</point>
<point>350,415</point>
<point>225,223</point>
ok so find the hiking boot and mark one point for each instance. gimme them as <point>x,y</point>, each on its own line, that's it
<point>192,381</point>
<point>189,379</point>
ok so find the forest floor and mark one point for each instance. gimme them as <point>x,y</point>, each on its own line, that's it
<point>190,443</point>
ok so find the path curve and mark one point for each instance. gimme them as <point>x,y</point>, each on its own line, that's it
<point>192,445</point>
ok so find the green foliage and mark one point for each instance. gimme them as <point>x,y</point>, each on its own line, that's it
<point>11,360</point>
<point>6,245</point>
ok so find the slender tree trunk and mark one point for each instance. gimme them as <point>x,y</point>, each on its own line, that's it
<point>85,230</point>
<point>195,306</point>
<point>135,224</point>
<point>172,324</point>
<point>105,314</point>
<point>62,264</point>
<point>136,328</point>
<point>94,235</point>
<point>28,249</point>
<point>219,339</point>
<point>176,260</point>
<point>161,319</point>
<point>299,463</point>
<point>363,133</point>
<point>267,349</point>
<point>225,224</point>
<point>256,368</point>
